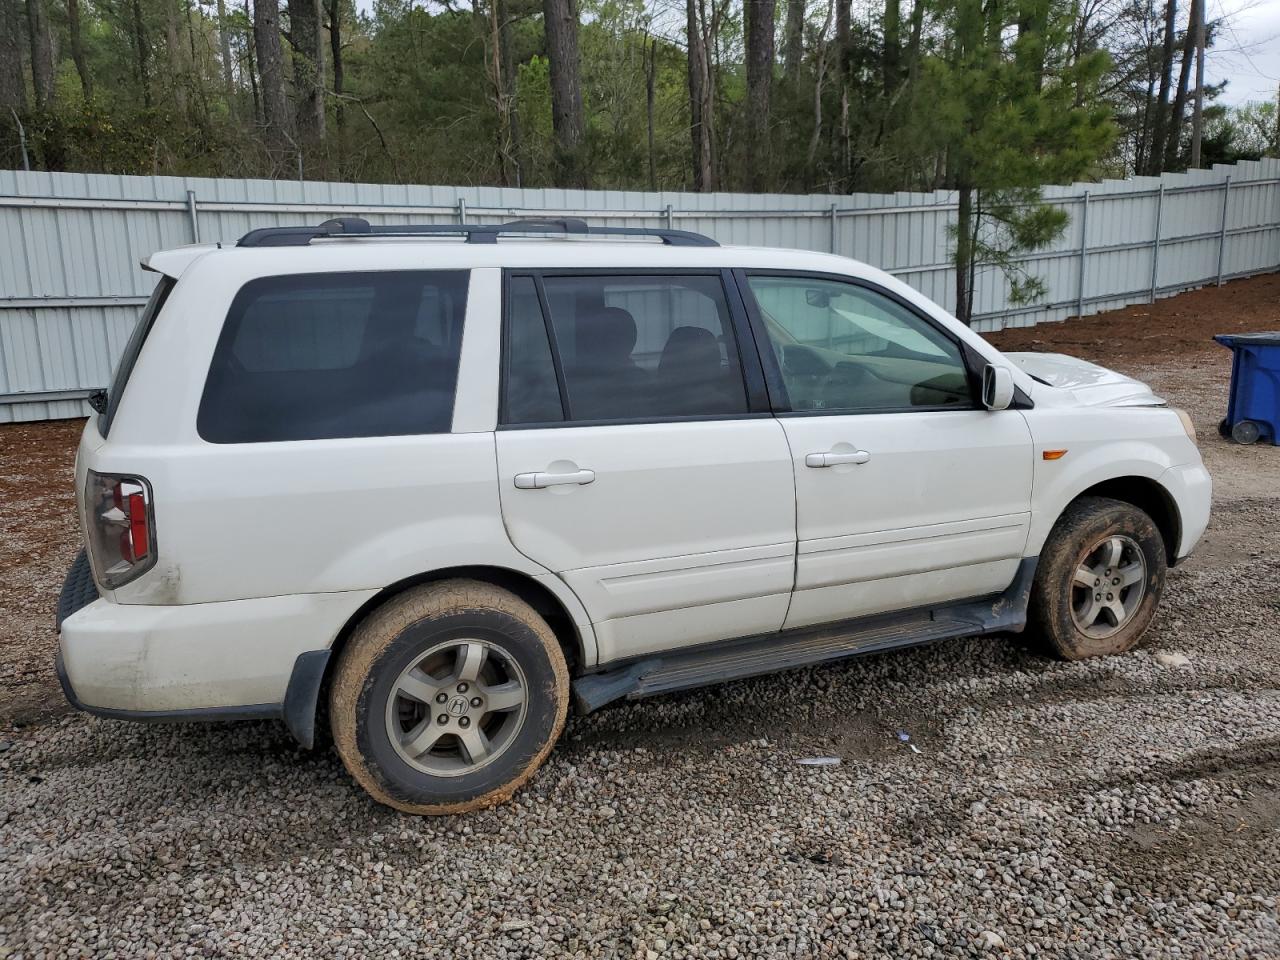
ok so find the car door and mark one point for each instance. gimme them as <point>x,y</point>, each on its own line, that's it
<point>907,492</point>
<point>638,458</point>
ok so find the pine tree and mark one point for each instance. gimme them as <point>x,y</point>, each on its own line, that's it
<point>1012,109</point>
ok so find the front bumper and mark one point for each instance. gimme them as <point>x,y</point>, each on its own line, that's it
<point>1192,490</point>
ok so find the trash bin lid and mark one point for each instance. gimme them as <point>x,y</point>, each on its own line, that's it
<point>1249,339</point>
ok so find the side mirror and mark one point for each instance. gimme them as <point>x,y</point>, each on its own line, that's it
<point>997,387</point>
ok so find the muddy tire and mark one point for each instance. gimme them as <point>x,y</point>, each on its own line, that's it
<point>1099,580</point>
<point>448,698</point>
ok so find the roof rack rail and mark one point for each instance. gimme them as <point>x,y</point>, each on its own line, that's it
<point>354,227</point>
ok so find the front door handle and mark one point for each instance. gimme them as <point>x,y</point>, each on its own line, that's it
<point>536,481</point>
<point>831,459</point>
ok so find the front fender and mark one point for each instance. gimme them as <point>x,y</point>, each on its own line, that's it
<point>1101,444</point>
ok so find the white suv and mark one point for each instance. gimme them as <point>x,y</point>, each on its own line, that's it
<point>445,479</point>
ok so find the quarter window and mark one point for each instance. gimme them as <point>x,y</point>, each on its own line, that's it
<point>328,355</point>
<point>843,347</point>
<point>629,348</point>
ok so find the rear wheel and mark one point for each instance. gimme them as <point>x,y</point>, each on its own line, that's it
<point>1099,579</point>
<point>448,698</point>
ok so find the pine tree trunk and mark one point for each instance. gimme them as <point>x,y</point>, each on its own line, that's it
<point>335,57</point>
<point>224,49</point>
<point>178,75</point>
<point>502,101</point>
<point>913,41</point>
<point>964,254</point>
<point>308,75</point>
<point>13,86</point>
<point>760,33</point>
<point>142,50</point>
<point>560,22</point>
<point>892,45</point>
<point>701,100</point>
<point>1155,150</point>
<point>793,41</point>
<point>275,108</point>
<point>1173,144</point>
<point>1143,143</point>
<point>249,45</point>
<point>77,49</point>
<point>843,163</point>
<point>650,95</point>
<point>516,145</point>
<point>41,53</point>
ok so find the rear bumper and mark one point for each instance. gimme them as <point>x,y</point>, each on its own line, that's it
<point>209,661</point>
<point>1192,490</point>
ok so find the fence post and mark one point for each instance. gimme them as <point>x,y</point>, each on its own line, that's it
<point>834,244</point>
<point>1155,249</point>
<point>670,217</point>
<point>1084,254</point>
<point>462,211</point>
<point>193,217</point>
<point>1222,234</point>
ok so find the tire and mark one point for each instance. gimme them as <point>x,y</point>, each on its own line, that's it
<point>427,642</point>
<point>1076,621</point>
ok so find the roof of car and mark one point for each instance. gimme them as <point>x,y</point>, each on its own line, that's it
<point>452,253</point>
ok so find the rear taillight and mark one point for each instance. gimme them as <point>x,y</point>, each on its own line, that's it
<point>121,530</point>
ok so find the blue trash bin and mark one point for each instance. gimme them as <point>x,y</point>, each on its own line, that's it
<point>1253,412</point>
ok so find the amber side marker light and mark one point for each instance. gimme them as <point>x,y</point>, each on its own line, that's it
<point>1054,454</point>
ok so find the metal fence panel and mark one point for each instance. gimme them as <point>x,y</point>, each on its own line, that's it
<point>71,288</point>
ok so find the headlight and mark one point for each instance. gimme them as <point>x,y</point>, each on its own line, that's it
<point>1187,425</point>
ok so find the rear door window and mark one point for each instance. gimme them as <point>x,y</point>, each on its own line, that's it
<point>626,347</point>
<point>328,355</point>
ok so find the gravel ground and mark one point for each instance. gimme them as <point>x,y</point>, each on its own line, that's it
<point>1121,807</point>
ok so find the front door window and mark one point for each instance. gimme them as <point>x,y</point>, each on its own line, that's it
<point>844,348</point>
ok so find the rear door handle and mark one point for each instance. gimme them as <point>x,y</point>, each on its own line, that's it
<point>832,459</point>
<point>536,481</point>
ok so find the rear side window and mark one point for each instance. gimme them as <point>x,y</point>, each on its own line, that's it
<point>131,350</point>
<point>321,356</point>
<point>627,347</point>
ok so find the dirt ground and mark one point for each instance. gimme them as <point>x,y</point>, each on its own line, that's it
<point>1121,807</point>
<point>41,537</point>
<point>1177,330</point>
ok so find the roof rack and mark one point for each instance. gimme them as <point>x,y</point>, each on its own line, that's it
<point>355,227</point>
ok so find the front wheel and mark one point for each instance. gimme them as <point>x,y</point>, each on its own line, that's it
<point>1099,580</point>
<point>448,698</point>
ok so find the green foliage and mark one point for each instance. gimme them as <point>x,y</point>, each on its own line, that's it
<point>1013,109</point>
<point>1247,132</point>
<point>1014,222</point>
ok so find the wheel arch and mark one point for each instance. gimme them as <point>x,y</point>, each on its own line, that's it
<point>543,600</point>
<point>1149,496</point>
<point>307,694</point>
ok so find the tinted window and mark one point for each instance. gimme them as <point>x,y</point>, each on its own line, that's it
<point>642,347</point>
<point>131,350</point>
<point>336,355</point>
<point>845,347</point>
<point>530,391</point>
